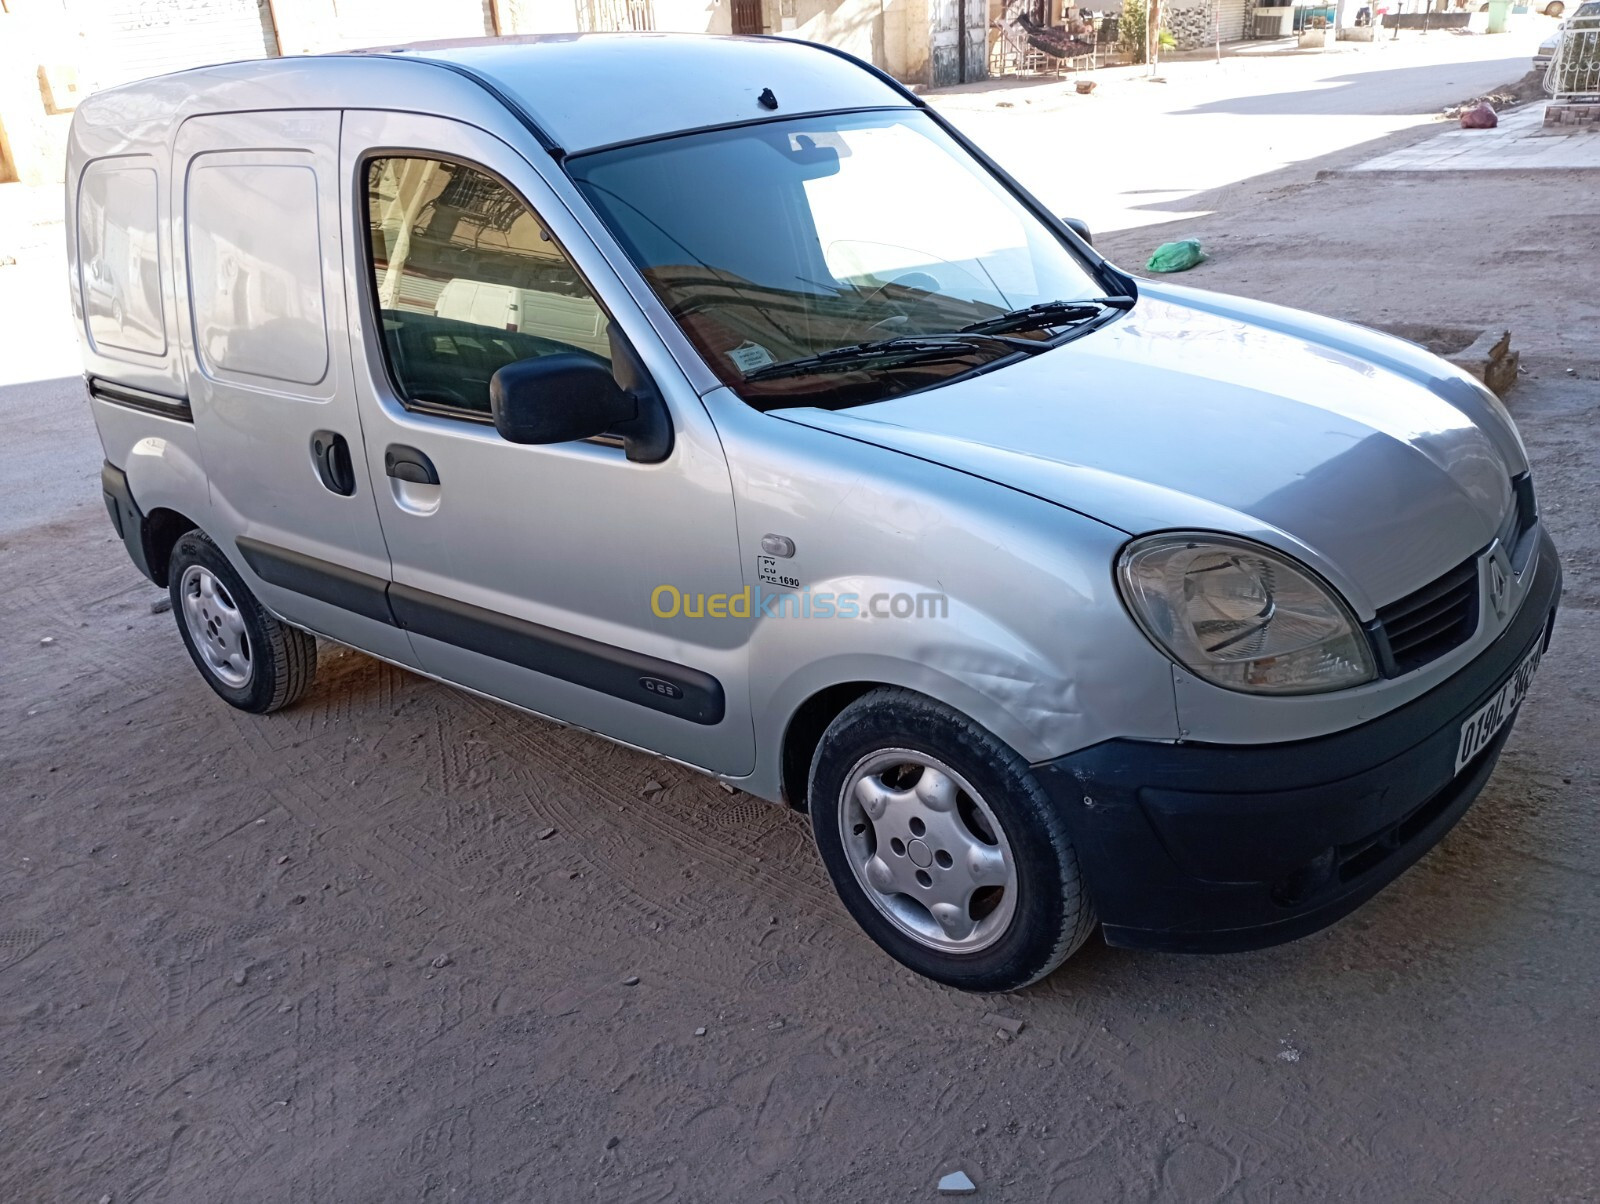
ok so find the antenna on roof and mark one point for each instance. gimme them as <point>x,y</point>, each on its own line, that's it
<point>767,100</point>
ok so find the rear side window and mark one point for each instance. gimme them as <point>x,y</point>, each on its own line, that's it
<point>119,258</point>
<point>256,284</point>
<point>468,280</point>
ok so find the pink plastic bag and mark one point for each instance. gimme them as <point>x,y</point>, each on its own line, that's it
<point>1480,118</point>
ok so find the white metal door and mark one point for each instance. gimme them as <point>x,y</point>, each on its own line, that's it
<point>134,39</point>
<point>360,23</point>
<point>1230,20</point>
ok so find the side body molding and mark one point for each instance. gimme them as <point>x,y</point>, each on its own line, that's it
<point>631,676</point>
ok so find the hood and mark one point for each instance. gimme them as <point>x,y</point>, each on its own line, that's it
<point>1333,443</point>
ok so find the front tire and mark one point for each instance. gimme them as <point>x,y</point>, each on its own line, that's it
<point>247,656</point>
<point>943,845</point>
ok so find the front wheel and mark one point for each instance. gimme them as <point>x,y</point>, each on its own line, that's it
<point>245,654</point>
<point>943,845</point>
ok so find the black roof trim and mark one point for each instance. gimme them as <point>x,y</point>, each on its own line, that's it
<point>524,118</point>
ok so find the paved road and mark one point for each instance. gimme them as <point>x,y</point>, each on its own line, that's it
<point>1135,153</point>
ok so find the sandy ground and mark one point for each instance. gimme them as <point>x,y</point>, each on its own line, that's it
<point>333,955</point>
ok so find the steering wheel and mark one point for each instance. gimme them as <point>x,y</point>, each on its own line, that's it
<point>921,281</point>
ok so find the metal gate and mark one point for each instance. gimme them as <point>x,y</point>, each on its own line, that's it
<point>1230,20</point>
<point>747,17</point>
<point>958,42</point>
<point>1574,71</point>
<point>611,16</point>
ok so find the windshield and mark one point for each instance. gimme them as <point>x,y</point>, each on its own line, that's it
<point>775,242</point>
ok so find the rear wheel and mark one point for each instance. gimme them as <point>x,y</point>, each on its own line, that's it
<point>1555,8</point>
<point>247,656</point>
<point>943,846</point>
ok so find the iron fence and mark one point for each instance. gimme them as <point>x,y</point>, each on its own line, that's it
<point>1574,71</point>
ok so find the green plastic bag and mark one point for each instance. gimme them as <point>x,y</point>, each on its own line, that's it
<point>1177,256</point>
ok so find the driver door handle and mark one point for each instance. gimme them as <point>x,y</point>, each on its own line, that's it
<point>408,464</point>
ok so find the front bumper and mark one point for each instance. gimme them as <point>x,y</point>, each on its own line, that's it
<point>1220,848</point>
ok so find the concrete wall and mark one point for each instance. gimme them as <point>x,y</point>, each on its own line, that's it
<point>1192,22</point>
<point>39,55</point>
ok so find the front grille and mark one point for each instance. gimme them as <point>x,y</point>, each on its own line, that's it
<point>1424,625</point>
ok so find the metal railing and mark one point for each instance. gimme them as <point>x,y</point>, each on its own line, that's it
<point>1574,71</point>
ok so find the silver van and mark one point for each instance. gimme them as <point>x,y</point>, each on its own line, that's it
<point>716,395</point>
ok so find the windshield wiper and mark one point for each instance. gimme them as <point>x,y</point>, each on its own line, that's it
<point>905,349</point>
<point>1049,313</point>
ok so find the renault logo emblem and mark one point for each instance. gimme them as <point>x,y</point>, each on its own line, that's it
<point>1499,582</point>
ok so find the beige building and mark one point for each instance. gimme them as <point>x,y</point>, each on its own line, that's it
<point>54,51</point>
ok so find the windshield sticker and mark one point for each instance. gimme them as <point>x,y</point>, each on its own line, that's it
<point>750,356</point>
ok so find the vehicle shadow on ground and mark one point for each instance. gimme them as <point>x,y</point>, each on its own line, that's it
<point>1332,100</point>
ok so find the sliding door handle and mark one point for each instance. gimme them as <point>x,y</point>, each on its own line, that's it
<point>330,455</point>
<point>410,465</point>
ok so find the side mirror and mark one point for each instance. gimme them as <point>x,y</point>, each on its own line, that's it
<point>558,398</point>
<point>1079,227</point>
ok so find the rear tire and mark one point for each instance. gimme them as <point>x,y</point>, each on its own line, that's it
<point>247,656</point>
<point>943,845</point>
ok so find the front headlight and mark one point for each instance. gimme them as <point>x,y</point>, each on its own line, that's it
<point>1242,616</point>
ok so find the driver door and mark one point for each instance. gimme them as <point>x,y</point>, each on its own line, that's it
<point>527,572</point>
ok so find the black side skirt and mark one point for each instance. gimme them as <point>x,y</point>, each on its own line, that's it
<point>631,676</point>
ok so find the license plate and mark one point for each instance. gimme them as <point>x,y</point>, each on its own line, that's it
<point>1477,731</point>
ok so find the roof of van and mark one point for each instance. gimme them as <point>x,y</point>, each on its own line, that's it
<point>589,90</point>
<point>580,91</point>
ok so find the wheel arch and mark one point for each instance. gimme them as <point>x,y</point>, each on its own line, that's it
<point>804,732</point>
<point>819,697</point>
<point>158,535</point>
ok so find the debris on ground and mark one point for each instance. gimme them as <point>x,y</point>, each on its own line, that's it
<point>240,975</point>
<point>1008,1024</point>
<point>631,981</point>
<point>701,1031</point>
<point>440,962</point>
<point>161,605</point>
<point>957,1183</point>
<point>613,1142</point>
<point>1176,256</point>
<point>1086,86</point>
<point>1485,354</point>
<point>652,787</point>
<point>1529,87</point>
<point>546,833</point>
<point>1480,117</point>
<point>47,641</point>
